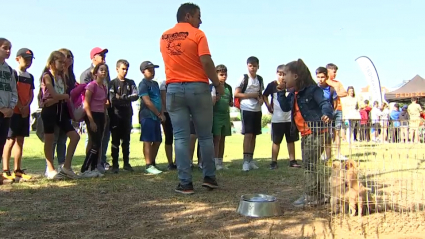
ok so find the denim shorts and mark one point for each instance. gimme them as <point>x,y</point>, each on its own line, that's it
<point>337,120</point>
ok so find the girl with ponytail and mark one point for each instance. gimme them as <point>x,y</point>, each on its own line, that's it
<point>53,97</point>
<point>311,111</point>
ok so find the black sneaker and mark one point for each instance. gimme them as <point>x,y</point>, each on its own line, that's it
<point>210,183</point>
<point>128,168</point>
<point>185,189</point>
<point>294,164</point>
<point>273,165</point>
<point>115,169</point>
<point>172,167</point>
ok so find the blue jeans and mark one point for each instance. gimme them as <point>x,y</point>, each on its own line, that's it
<point>183,100</point>
<point>105,142</point>
<point>59,145</point>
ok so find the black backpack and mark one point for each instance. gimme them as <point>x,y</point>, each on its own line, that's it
<point>245,83</point>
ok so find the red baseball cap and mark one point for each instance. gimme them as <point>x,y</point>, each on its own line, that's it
<point>97,51</point>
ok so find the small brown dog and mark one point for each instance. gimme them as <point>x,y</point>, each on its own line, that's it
<point>338,188</point>
<point>357,193</point>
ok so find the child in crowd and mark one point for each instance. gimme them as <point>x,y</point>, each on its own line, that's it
<point>122,92</point>
<point>53,113</point>
<point>364,118</point>
<point>368,110</point>
<point>20,120</point>
<point>404,125</point>
<point>249,93</point>
<point>8,95</point>
<point>309,109</point>
<point>94,106</point>
<point>221,116</point>
<point>337,117</point>
<point>150,115</point>
<point>375,115</point>
<point>330,94</point>
<point>394,117</point>
<point>281,122</point>
<point>167,127</point>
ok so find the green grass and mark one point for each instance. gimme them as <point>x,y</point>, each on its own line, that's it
<point>136,205</point>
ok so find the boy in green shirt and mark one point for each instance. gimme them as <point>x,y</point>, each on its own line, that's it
<point>221,116</point>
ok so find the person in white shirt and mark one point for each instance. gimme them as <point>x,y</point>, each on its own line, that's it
<point>249,92</point>
<point>375,116</point>
<point>281,122</point>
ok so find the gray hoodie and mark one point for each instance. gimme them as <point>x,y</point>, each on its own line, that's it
<point>8,92</point>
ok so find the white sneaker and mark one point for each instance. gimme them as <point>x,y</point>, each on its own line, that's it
<point>69,173</point>
<point>53,175</point>
<point>252,165</point>
<point>99,174</point>
<point>89,174</point>
<point>218,165</point>
<point>246,166</point>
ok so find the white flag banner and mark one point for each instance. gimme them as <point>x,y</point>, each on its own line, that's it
<point>372,78</point>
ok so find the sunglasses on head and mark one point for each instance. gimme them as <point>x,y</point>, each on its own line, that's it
<point>69,56</point>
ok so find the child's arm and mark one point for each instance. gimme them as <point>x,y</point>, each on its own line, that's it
<point>113,96</point>
<point>266,94</point>
<point>133,93</point>
<point>240,95</point>
<point>87,108</point>
<point>339,88</point>
<point>163,91</point>
<point>48,83</point>
<point>284,101</point>
<point>213,95</point>
<point>144,95</point>
<point>323,103</point>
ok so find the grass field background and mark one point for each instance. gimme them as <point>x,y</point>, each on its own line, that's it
<point>136,205</point>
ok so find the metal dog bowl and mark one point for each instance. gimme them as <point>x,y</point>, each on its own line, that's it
<point>258,205</point>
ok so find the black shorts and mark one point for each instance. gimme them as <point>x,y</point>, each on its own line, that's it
<point>56,115</point>
<point>192,128</point>
<point>19,127</point>
<point>280,130</point>
<point>167,127</point>
<point>251,122</point>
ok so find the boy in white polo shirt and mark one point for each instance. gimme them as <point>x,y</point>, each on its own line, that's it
<point>251,99</point>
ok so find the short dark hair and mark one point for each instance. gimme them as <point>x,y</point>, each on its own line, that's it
<point>366,102</point>
<point>3,40</point>
<point>323,70</point>
<point>186,8</point>
<point>331,66</point>
<point>252,60</point>
<point>280,68</point>
<point>123,62</point>
<point>221,68</point>
<point>397,105</point>
<point>375,103</point>
<point>415,99</point>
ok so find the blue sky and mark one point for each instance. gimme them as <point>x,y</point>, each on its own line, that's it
<point>390,32</point>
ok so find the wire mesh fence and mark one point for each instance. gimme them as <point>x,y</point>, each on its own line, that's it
<point>367,175</point>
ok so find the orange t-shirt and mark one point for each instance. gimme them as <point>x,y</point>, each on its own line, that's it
<point>181,47</point>
<point>299,120</point>
<point>336,85</point>
<point>25,87</point>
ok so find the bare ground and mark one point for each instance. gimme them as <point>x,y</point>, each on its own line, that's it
<point>141,206</point>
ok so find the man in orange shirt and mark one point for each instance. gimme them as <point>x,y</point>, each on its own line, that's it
<point>188,66</point>
<point>338,120</point>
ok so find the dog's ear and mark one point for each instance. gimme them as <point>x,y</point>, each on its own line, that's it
<point>335,165</point>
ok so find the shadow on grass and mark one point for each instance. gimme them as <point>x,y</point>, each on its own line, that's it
<point>135,205</point>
